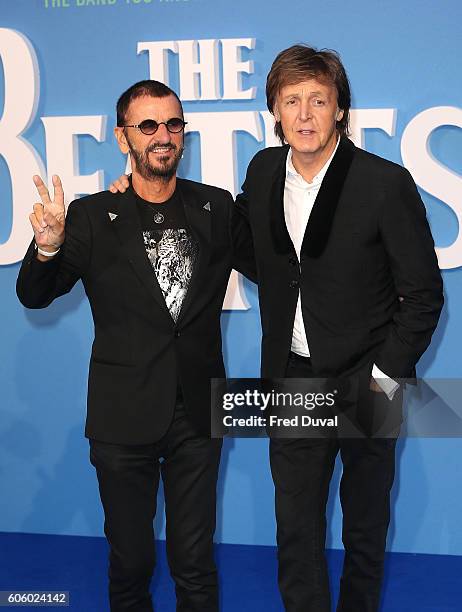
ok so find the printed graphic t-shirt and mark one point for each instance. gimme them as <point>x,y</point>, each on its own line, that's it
<point>171,248</point>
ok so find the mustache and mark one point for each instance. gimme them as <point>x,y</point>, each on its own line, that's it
<point>155,145</point>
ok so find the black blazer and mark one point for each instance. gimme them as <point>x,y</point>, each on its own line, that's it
<point>139,354</point>
<point>367,244</point>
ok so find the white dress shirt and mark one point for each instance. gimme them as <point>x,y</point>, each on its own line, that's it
<point>299,198</point>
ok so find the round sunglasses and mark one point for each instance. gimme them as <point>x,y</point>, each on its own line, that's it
<point>149,126</point>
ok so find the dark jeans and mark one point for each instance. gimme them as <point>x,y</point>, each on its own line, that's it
<point>302,470</point>
<point>128,479</point>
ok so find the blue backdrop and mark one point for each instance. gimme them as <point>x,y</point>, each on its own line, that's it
<point>63,65</point>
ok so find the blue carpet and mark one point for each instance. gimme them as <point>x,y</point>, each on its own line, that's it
<point>413,583</point>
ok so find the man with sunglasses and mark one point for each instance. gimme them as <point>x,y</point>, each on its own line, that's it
<point>155,263</point>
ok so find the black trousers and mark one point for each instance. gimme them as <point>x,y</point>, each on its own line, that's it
<point>302,470</point>
<point>128,478</point>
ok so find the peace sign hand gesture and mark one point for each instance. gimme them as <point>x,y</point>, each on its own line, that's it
<point>48,218</point>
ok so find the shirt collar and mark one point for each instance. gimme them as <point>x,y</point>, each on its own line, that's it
<point>290,169</point>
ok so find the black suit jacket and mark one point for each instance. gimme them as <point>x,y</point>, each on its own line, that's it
<point>139,354</point>
<point>367,244</point>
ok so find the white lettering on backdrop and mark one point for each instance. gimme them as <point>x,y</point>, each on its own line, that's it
<point>201,77</point>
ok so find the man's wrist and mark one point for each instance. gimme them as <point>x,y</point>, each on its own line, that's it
<point>46,252</point>
<point>384,383</point>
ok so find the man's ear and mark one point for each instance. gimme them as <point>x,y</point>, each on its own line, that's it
<point>276,113</point>
<point>119,133</point>
<point>340,114</point>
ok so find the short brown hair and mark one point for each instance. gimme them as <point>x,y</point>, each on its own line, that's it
<point>301,62</point>
<point>154,89</point>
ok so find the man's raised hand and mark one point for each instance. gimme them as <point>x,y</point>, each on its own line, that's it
<point>48,217</point>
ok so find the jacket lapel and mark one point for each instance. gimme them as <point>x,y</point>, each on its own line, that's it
<point>323,213</point>
<point>199,218</point>
<point>127,227</point>
<point>281,238</point>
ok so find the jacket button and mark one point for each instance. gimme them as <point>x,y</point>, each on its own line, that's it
<point>292,261</point>
<point>293,284</point>
<point>177,334</point>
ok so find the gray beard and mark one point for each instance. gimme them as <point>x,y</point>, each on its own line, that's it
<point>164,172</point>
